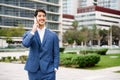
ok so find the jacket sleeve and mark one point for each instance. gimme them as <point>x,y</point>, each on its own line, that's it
<point>56,51</point>
<point>27,39</point>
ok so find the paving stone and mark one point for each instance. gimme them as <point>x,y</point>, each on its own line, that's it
<point>11,71</point>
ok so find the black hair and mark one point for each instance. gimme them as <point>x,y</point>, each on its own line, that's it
<point>39,10</point>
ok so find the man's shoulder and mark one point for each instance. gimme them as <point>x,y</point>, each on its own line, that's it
<point>50,31</point>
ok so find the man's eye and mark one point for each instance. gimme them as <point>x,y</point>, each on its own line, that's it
<point>42,16</point>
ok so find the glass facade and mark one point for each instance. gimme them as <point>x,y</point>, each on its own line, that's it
<point>53,26</point>
<point>6,21</point>
<point>113,4</point>
<point>14,12</point>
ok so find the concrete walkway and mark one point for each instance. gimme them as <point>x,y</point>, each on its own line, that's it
<point>10,71</point>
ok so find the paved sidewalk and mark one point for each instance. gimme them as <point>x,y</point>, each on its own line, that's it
<point>10,71</point>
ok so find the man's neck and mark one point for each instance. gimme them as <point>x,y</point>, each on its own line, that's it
<point>41,26</point>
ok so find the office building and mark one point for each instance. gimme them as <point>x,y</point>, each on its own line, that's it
<point>14,12</point>
<point>67,22</point>
<point>99,16</point>
<point>113,4</point>
<point>70,6</point>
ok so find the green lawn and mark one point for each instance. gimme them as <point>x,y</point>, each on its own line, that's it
<point>109,60</point>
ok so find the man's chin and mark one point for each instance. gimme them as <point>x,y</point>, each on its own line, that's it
<point>41,23</point>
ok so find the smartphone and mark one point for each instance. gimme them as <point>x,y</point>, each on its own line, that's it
<point>35,20</point>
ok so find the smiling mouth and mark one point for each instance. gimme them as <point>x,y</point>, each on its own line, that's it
<point>42,21</point>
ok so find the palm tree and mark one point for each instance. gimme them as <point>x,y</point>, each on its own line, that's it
<point>96,34</point>
<point>75,24</point>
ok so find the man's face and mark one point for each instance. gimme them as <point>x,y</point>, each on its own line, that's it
<point>41,18</point>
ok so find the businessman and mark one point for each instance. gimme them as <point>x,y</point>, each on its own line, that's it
<point>43,44</point>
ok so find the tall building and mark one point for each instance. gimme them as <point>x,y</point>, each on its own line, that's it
<point>70,6</point>
<point>67,22</point>
<point>99,16</point>
<point>85,3</point>
<point>14,12</point>
<point>113,4</point>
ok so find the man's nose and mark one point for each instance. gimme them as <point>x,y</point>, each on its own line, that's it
<point>42,17</point>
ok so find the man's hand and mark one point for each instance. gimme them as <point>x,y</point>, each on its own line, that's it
<point>35,25</point>
<point>55,69</point>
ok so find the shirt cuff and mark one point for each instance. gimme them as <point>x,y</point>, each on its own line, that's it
<point>32,33</point>
<point>55,69</point>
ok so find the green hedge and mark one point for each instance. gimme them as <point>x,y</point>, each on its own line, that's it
<point>62,49</point>
<point>98,51</point>
<point>22,59</point>
<point>74,60</point>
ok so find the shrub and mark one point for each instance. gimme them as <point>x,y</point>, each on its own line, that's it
<point>92,59</point>
<point>79,60</point>
<point>6,59</point>
<point>62,49</point>
<point>66,59</point>
<point>98,51</point>
<point>23,58</point>
<point>9,59</point>
<point>102,51</point>
<point>3,59</point>
<point>14,59</point>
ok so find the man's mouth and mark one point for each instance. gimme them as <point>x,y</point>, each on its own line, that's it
<point>42,21</point>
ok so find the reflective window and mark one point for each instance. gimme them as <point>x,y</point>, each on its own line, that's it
<point>11,11</point>
<point>0,20</point>
<point>26,13</point>
<point>23,12</point>
<point>52,17</point>
<point>27,23</point>
<point>39,5</point>
<point>25,3</point>
<point>14,22</point>
<point>52,26</point>
<point>0,9</point>
<point>53,1</point>
<point>11,2</point>
<point>52,8</point>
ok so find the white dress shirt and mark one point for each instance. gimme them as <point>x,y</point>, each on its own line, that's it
<point>41,33</point>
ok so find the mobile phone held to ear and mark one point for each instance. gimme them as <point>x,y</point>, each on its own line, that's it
<point>35,20</point>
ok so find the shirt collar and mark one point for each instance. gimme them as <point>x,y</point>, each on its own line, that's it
<point>43,29</point>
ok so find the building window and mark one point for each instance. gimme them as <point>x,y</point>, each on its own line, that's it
<point>11,11</point>
<point>26,13</point>
<point>42,6</point>
<point>53,26</point>
<point>52,17</point>
<point>53,1</point>
<point>10,2</point>
<point>0,20</point>
<point>52,8</point>
<point>25,3</point>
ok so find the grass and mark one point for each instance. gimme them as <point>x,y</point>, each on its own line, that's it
<point>109,60</point>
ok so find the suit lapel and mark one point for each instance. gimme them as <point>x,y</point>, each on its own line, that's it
<point>37,37</point>
<point>45,37</point>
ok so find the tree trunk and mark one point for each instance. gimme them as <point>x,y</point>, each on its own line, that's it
<point>119,43</point>
<point>98,42</point>
<point>81,43</point>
